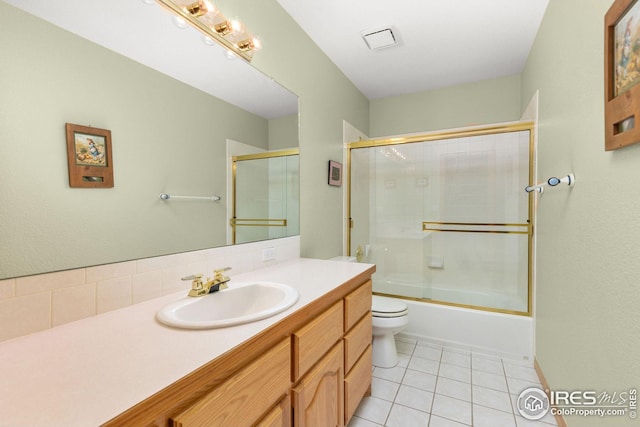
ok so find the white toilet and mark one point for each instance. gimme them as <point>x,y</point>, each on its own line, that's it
<point>390,316</point>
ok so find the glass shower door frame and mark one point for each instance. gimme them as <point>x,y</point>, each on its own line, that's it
<point>253,222</point>
<point>518,228</point>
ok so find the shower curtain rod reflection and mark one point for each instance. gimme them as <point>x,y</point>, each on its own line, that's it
<point>165,196</point>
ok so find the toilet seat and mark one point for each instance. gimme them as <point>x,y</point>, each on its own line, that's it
<point>388,307</point>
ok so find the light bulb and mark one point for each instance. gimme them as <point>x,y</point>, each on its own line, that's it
<point>208,40</point>
<point>179,22</point>
<point>257,43</point>
<point>236,25</point>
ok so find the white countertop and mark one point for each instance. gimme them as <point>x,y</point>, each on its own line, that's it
<point>86,372</point>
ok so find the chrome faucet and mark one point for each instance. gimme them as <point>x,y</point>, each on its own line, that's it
<point>218,283</point>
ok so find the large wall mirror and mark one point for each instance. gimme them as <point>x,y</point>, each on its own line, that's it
<point>172,104</point>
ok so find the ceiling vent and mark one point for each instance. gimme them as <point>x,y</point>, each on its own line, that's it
<point>379,39</point>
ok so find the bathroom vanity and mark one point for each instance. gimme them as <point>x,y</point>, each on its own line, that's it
<point>307,366</point>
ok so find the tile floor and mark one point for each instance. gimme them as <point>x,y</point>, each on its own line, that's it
<point>447,387</point>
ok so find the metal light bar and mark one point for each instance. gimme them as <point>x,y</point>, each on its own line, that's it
<point>241,51</point>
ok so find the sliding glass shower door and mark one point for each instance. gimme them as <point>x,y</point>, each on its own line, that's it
<point>265,196</point>
<point>445,218</point>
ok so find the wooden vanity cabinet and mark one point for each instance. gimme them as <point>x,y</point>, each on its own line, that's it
<point>246,398</point>
<point>311,369</point>
<point>330,394</point>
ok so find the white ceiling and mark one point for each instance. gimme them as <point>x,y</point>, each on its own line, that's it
<point>440,42</point>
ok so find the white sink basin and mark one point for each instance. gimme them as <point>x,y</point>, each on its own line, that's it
<point>241,302</point>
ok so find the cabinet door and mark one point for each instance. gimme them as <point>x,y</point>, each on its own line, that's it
<point>318,400</point>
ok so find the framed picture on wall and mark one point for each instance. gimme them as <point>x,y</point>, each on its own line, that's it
<point>622,74</point>
<point>335,173</point>
<point>89,157</point>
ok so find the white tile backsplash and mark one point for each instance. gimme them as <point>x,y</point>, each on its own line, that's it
<point>24,315</point>
<point>7,288</point>
<point>73,303</point>
<point>32,303</point>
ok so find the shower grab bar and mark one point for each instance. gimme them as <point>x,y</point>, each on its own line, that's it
<point>429,226</point>
<point>165,196</point>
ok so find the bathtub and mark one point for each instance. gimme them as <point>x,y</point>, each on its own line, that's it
<point>506,335</point>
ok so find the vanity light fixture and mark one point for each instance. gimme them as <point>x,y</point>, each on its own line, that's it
<point>206,18</point>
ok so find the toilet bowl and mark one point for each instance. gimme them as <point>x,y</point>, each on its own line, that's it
<point>389,316</point>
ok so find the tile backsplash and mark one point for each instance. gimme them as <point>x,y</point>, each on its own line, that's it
<point>34,303</point>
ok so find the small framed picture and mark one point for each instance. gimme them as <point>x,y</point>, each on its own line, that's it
<point>89,157</point>
<point>335,173</point>
<point>622,74</point>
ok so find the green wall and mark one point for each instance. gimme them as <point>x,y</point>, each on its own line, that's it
<point>487,101</point>
<point>587,308</point>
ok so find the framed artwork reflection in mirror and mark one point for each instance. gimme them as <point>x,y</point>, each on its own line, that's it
<point>89,157</point>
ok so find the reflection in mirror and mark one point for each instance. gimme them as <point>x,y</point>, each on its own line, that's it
<point>170,102</point>
<point>265,196</point>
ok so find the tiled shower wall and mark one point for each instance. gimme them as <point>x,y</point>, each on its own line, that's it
<point>34,303</point>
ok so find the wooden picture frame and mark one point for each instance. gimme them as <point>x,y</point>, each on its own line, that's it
<point>89,157</point>
<point>622,74</point>
<point>335,173</point>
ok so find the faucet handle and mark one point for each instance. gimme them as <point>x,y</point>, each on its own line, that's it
<point>197,287</point>
<point>218,276</point>
<point>221,279</point>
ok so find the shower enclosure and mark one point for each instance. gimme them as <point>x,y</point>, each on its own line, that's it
<point>444,216</point>
<point>265,196</point>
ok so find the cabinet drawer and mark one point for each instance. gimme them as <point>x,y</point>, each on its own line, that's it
<point>356,304</point>
<point>356,384</point>
<point>312,341</point>
<point>356,340</point>
<point>246,396</point>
